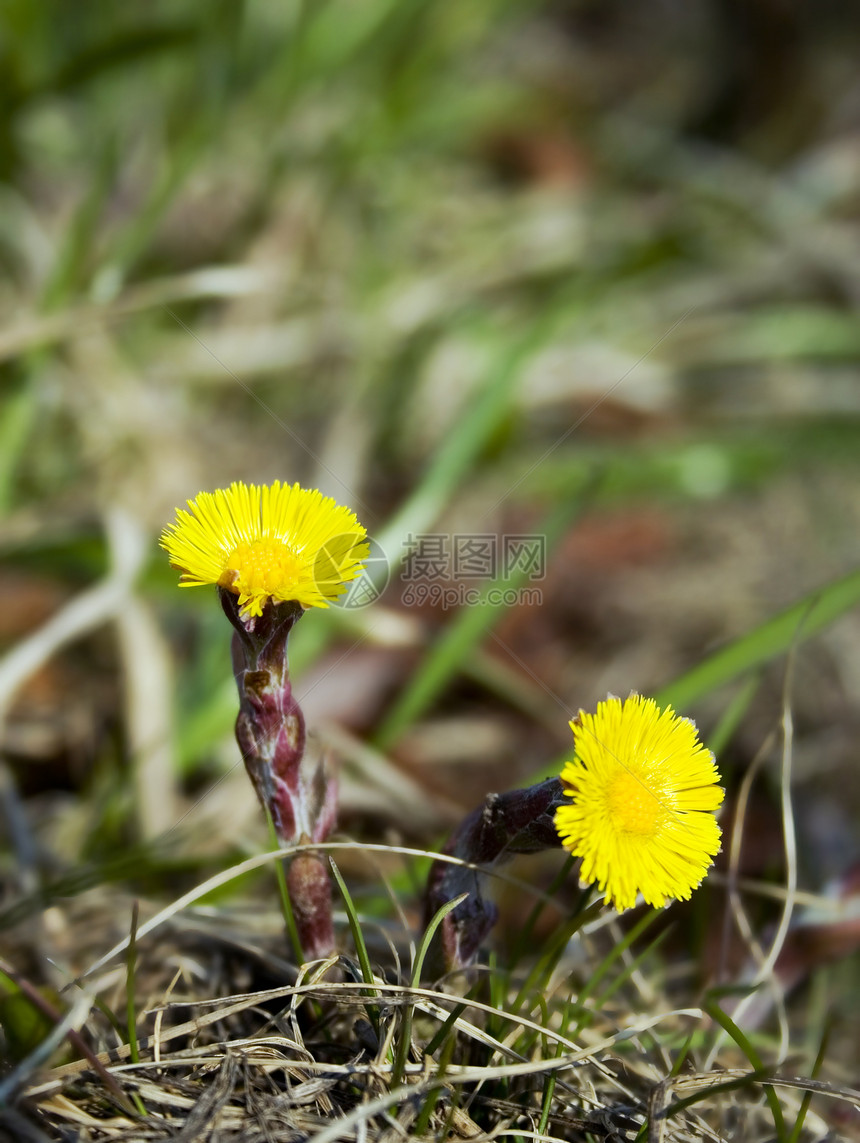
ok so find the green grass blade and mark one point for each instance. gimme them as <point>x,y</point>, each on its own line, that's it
<point>354,927</point>
<point>546,1102</point>
<point>549,1087</point>
<point>424,946</point>
<point>807,1095</point>
<point>70,265</point>
<point>130,1005</point>
<point>404,1042</point>
<point>743,1042</point>
<point>17,420</point>
<point>460,450</point>
<point>607,962</point>
<point>525,939</point>
<point>284,894</point>
<point>732,716</point>
<point>442,1032</point>
<point>773,637</point>
<point>432,1099</point>
<point>445,658</point>
<point>603,999</point>
<point>538,978</point>
<point>131,964</point>
<point>681,1058</point>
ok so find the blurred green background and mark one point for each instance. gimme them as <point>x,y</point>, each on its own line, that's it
<point>582,269</point>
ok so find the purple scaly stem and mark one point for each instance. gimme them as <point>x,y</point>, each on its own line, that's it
<point>270,730</point>
<point>519,821</point>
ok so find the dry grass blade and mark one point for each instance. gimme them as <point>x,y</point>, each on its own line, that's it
<point>258,1065</point>
<point>91,608</point>
<point>694,1089</point>
<point>68,1026</point>
<point>252,863</point>
<point>200,1120</point>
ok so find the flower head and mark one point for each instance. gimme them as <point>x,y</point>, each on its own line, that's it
<point>278,542</point>
<point>643,790</point>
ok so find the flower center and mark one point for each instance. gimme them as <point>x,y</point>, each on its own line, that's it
<point>263,567</point>
<point>634,807</point>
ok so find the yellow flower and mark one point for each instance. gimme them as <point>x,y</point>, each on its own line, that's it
<point>644,791</point>
<point>278,542</point>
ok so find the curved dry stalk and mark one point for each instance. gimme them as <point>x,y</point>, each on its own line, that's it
<point>257,862</point>
<point>149,687</point>
<point>767,960</point>
<point>93,607</point>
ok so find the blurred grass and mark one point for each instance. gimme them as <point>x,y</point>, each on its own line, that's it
<point>417,312</point>
<point>771,639</point>
<point>452,263</point>
<point>342,167</point>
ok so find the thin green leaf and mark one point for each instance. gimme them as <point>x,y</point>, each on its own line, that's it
<point>525,939</point>
<point>405,1040</point>
<point>622,978</point>
<point>773,637</point>
<point>776,636</point>
<point>607,962</point>
<point>461,448</point>
<point>442,1031</point>
<point>358,942</point>
<point>732,716</point>
<point>538,978</point>
<point>743,1042</point>
<point>130,1005</point>
<point>130,967</point>
<point>16,423</point>
<point>444,660</point>
<point>807,1095</point>
<point>549,1087</point>
<point>759,1075</point>
<point>432,1099</point>
<point>284,894</point>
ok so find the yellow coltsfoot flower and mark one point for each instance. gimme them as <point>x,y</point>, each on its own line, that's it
<point>643,789</point>
<point>279,542</point>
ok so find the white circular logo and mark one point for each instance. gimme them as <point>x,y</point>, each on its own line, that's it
<point>367,586</point>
